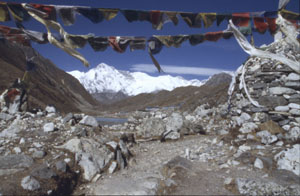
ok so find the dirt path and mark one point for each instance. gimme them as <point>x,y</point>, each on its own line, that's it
<point>205,167</point>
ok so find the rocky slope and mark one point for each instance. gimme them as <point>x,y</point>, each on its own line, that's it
<point>48,84</point>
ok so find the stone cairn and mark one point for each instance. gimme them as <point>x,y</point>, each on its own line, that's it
<point>275,87</point>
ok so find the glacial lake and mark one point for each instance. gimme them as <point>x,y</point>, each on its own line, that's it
<point>111,121</point>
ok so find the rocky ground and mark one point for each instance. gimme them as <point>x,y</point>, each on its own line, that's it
<point>158,152</point>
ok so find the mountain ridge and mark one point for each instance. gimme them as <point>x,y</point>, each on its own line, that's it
<point>105,78</point>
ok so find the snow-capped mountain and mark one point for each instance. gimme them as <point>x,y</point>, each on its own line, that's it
<point>105,78</point>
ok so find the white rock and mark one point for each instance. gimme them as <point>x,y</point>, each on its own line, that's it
<point>295,112</point>
<point>37,145</point>
<point>50,109</point>
<point>282,108</point>
<point>89,121</point>
<point>293,77</point>
<point>48,127</point>
<point>89,166</point>
<point>14,128</point>
<point>113,144</point>
<point>222,132</point>
<point>112,168</point>
<point>67,160</point>
<point>225,165</point>
<point>17,150</point>
<point>29,183</point>
<point>190,118</point>
<point>227,181</point>
<point>39,114</point>
<point>245,117</point>
<point>51,115</point>
<point>248,127</point>
<point>281,90</point>
<point>258,163</point>
<point>298,120</point>
<point>293,134</point>
<point>279,143</point>
<point>286,127</point>
<point>294,106</point>
<point>22,141</point>
<point>289,159</point>
<point>287,96</point>
<point>244,148</point>
<point>214,141</point>
<point>266,137</point>
<point>174,122</point>
<point>73,145</point>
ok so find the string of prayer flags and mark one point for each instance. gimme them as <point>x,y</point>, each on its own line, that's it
<point>196,39</point>
<point>109,14</point>
<point>221,17</point>
<point>137,43</point>
<point>49,12</point>
<point>208,18</point>
<point>191,19</point>
<point>260,25</point>
<point>67,14</point>
<point>98,43</point>
<point>156,17</point>
<point>14,35</point>
<point>93,14</point>
<point>213,36</point>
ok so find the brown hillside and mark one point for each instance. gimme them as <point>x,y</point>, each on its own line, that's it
<point>48,84</point>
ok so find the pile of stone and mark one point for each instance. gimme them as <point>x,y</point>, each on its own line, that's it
<point>276,88</point>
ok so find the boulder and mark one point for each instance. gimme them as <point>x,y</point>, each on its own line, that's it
<point>151,127</point>
<point>48,127</point>
<point>43,172</point>
<point>6,117</point>
<point>266,137</point>
<point>258,163</point>
<point>93,157</point>
<point>293,77</point>
<point>67,118</point>
<point>282,108</point>
<point>289,159</point>
<point>281,90</point>
<point>30,183</point>
<point>89,121</point>
<point>248,127</point>
<point>15,161</point>
<point>61,166</point>
<point>294,106</point>
<point>293,134</point>
<point>50,109</point>
<point>174,122</point>
<point>271,101</point>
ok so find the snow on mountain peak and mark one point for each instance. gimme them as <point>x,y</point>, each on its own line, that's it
<point>105,78</point>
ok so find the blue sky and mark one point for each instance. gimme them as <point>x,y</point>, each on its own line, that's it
<point>187,61</point>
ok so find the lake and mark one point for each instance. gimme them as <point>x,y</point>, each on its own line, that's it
<point>111,121</point>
